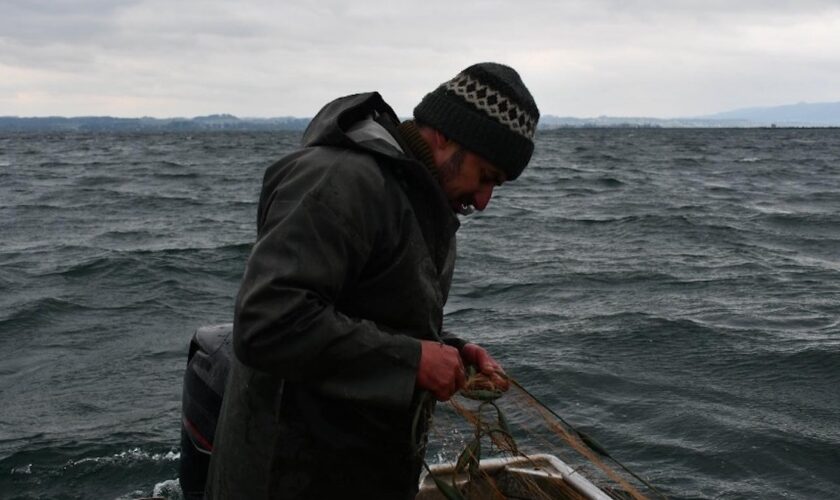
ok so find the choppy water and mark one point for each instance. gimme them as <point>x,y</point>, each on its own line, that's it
<point>674,292</point>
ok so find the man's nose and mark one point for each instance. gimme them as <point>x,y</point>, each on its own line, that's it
<point>482,197</point>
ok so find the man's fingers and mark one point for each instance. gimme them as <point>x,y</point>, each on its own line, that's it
<point>495,373</point>
<point>461,377</point>
<point>457,381</point>
<point>441,370</point>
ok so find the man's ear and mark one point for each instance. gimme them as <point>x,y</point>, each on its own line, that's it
<point>441,146</point>
<point>440,141</point>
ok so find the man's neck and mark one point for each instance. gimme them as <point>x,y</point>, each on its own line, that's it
<point>410,133</point>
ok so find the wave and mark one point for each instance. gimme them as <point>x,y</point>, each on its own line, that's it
<point>43,474</point>
<point>688,162</point>
<point>127,266</point>
<point>169,163</point>
<point>24,470</point>
<point>817,362</point>
<point>210,249</point>
<point>35,312</point>
<point>132,455</point>
<point>130,234</point>
<point>98,265</point>
<point>800,220</point>
<point>98,180</point>
<point>619,278</point>
<point>672,218</point>
<point>600,157</point>
<point>593,184</point>
<point>179,175</point>
<point>55,164</point>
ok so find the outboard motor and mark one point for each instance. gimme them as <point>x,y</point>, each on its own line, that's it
<point>208,363</point>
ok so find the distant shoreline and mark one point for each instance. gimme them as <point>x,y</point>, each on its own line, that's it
<point>800,115</point>
<point>229,123</point>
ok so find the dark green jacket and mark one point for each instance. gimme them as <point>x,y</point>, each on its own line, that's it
<point>351,268</point>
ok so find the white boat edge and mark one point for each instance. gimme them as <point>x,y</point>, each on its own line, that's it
<point>552,467</point>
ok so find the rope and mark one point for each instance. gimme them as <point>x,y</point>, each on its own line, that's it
<point>587,440</point>
<point>488,397</point>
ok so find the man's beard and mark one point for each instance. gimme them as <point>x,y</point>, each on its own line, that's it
<point>450,169</point>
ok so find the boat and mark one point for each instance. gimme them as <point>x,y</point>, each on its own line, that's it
<point>536,476</point>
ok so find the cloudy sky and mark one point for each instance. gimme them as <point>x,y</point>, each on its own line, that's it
<point>262,58</point>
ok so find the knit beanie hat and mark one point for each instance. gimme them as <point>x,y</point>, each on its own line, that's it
<point>488,110</point>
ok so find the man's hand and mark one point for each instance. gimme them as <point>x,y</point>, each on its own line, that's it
<point>476,355</point>
<point>441,371</point>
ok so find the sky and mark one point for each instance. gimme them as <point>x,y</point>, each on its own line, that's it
<point>266,58</point>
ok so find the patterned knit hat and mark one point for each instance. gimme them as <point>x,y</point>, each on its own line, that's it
<point>488,110</point>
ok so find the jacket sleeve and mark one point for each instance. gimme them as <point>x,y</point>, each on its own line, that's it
<point>309,248</point>
<point>452,340</point>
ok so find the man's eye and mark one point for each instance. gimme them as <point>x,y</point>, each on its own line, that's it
<point>491,178</point>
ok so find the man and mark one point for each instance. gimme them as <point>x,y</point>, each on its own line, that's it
<point>338,325</point>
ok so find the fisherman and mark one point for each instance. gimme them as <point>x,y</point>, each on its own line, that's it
<point>338,328</point>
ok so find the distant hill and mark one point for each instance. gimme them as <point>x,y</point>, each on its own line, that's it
<point>825,114</point>
<point>803,113</point>
<point>551,121</point>
<point>111,124</point>
<point>796,115</point>
<point>232,123</point>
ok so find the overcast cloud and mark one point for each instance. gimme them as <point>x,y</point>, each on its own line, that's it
<point>273,58</point>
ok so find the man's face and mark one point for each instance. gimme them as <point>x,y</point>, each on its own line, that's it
<point>468,180</point>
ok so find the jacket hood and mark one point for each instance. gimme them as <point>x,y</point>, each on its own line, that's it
<point>333,125</point>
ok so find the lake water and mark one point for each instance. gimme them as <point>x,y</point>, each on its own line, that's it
<point>674,292</point>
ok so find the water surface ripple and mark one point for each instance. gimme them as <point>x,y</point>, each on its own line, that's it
<point>674,292</point>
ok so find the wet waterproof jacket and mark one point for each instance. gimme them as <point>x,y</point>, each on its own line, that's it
<point>351,268</point>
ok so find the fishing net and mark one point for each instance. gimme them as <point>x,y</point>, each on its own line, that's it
<point>492,445</point>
